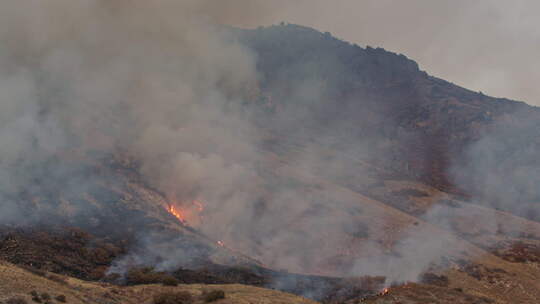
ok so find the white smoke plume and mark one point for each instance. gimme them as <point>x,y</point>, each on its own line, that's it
<point>153,79</point>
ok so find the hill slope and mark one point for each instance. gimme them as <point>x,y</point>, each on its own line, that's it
<point>379,106</point>
<point>17,283</point>
<point>364,166</point>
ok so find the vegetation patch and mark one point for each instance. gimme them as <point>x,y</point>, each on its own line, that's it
<point>146,275</point>
<point>181,297</point>
<point>16,301</point>
<point>212,296</point>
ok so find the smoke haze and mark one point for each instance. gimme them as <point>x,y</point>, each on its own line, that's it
<point>164,83</point>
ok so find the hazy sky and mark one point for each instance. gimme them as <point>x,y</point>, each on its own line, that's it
<point>485,45</point>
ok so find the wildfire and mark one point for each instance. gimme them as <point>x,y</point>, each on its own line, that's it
<point>190,214</point>
<point>385,291</point>
<point>172,210</point>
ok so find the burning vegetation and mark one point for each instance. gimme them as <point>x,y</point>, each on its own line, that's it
<point>172,210</point>
<point>191,214</point>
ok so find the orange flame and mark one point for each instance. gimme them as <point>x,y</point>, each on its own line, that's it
<point>385,291</point>
<point>172,210</point>
<point>191,214</point>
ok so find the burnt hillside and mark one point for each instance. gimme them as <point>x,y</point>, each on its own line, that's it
<point>413,124</point>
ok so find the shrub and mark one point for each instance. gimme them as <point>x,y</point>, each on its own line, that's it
<point>57,278</point>
<point>35,296</point>
<point>181,297</point>
<point>214,295</point>
<point>112,278</point>
<point>61,298</point>
<point>139,276</point>
<point>36,299</point>
<point>16,301</point>
<point>33,270</point>
<point>45,296</point>
<point>169,280</point>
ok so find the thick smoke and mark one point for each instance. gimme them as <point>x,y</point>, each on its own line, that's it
<point>500,169</point>
<point>152,79</point>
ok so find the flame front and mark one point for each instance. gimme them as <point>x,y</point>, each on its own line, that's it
<point>172,210</point>
<point>191,215</point>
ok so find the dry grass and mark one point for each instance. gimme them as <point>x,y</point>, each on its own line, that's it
<point>17,283</point>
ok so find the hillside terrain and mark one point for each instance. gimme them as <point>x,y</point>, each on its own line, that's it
<point>373,173</point>
<point>20,284</point>
<point>416,125</point>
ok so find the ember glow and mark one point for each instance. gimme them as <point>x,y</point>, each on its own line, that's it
<point>188,213</point>
<point>191,215</point>
<point>172,210</point>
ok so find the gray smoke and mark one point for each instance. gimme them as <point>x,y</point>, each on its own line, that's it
<point>162,81</point>
<point>151,79</point>
<point>500,169</point>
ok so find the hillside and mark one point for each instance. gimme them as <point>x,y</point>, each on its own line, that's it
<point>342,171</point>
<point>380,107</point>
<point>20,284</point>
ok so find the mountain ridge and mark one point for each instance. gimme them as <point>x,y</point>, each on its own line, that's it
<point>432,125</point>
